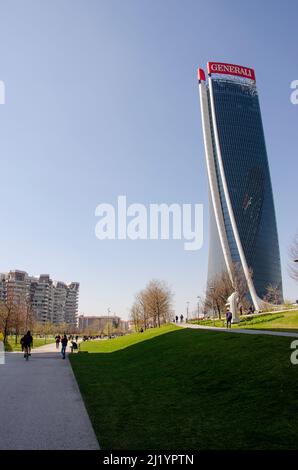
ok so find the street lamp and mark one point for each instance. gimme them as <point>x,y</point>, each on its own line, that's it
<point>199,299</point>
<point>212,288</point>
<point>187,306</point>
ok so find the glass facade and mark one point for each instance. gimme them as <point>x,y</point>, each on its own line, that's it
<point>245,165</point>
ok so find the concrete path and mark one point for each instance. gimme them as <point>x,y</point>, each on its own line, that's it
<point>240,330</point>
<point>41,406</point>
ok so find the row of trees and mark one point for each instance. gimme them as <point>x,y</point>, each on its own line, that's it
<point>109,330</point>
<point>152,306</point>
<point>293,254</point>
<point>221,287</point>
<point>16,319</point>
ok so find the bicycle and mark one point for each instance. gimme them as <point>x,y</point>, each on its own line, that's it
<point>26,352</point>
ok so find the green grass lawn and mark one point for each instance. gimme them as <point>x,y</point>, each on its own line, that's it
<point>286,321</point>
<point>37,342</point>
<point>186,389</point>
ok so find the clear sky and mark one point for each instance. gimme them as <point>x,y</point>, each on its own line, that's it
<point>102,100</point>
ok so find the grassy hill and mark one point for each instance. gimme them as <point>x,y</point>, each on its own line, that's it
<point>12,345</point>
<point>279,321</point>
<point>174,388</point>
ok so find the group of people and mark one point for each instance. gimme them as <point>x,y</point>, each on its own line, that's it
<point>177,318</point>
<point>64,341</point>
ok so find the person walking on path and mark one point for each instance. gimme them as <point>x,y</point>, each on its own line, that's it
<point>64,342</point>
<point>181,318</point>
<point>58,338</point>
<point>22,342</point>
<point>229,318</point>
<point>176,318</point>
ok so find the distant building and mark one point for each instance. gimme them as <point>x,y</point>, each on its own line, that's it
<point>71,303</point>
<point>17,286</point>
<point>98,323</point>
<point>55,302</point>
<point>42,298</point>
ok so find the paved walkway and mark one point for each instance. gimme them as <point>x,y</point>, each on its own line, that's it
<point>240,330</point>
<point>40,404</point>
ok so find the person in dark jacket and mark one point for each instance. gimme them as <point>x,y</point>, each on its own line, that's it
<point>229,318</point>
<point>64,342</point>
<point>27,343</point>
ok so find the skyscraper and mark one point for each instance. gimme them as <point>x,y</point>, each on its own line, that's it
<point>242,216</point>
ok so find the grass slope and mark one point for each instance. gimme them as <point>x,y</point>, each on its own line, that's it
<point>37,342</point>
<point>189,389</point>
<point>286,321</point>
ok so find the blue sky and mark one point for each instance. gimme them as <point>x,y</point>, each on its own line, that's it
<point>102,100</point>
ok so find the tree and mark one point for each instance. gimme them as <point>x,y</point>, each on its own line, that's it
<point>18,320</point>
<point>293,254</point>
<point>7,311</point>
<point>108,329</point>
<point>222,286</point>
<point>136,316</point>
<point>273,295</point>
<point>152,306</point>
<point>158,297</point>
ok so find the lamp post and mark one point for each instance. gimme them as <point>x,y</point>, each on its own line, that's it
<point>212,288</point>
<point>199,299</point>
<point>187,307</point>
<point>109,334</point>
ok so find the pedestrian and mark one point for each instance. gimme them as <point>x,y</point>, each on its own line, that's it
<point>22,342</point>
<point>73,346</point>
<point>58,338</point>
<point>241,309</point>
<point>181,318</point>
<point>229,318</point>
<point>64,344</point>
<point>77,338</point>
<point>177,319</point>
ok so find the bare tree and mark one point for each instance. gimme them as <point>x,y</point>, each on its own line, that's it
<point>218,292</point>
<point>273,295</point>
<point>293,255</point>
<point>159,302</point>
<point>18,320</point>
<point>136,316</point>
<point>222,286</point>
<point>152,306</point>
<point>141,300</point>
<point>7,311</point>
<point>109,329</point>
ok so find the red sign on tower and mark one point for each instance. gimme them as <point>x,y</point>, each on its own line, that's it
<point>231,69</point>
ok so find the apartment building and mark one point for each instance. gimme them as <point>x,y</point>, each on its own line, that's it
<point>51,301</point>
<point>98,323</point>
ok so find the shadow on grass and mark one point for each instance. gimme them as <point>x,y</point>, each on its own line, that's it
<point>192,389</point>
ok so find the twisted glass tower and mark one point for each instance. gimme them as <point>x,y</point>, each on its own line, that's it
<point>242,216</point>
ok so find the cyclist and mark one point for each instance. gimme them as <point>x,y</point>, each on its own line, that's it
<point>28,343</point>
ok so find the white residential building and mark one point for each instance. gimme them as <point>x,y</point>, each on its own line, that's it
<point>55,302</point>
